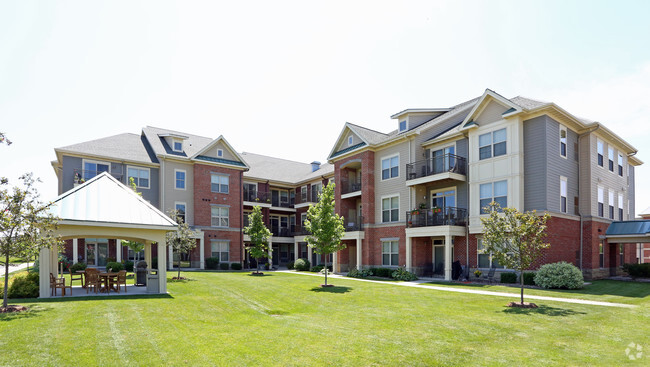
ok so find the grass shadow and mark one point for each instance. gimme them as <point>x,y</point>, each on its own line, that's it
<point>170,280</point>
<point>542,310</point>
<point>260,275</point>
<point>333,289</point>
<point>100,298</point>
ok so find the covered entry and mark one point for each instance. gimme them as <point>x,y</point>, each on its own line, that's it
<point>105,208</point>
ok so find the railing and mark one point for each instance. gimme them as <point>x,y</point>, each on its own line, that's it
<point>280,203</point>
<point>280,232</point>
<point>354,225</point>
<point>436,165</point>
<point>257,196</point>
<point>448,216</point>
<point>81,176</point>
<point>299,231</point>
<point>351,187</point>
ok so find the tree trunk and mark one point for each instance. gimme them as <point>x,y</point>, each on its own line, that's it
<point>6,289</point>
<point>521,276</point>
<point>179,266</point>
<point>326,270</point>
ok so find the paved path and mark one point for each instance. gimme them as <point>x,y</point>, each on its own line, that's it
<point>13,267</point>
<point>421,284</point>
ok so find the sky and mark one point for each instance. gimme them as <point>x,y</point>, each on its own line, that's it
<point>281,78</point>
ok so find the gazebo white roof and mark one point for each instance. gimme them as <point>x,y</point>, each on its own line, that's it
<point>102,201</point>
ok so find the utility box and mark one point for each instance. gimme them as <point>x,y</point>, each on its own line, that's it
<point>153,286</point>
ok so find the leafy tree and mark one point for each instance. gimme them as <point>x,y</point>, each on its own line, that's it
<point>514,239</point>
<point>259,236</point>
<point>326,227</point>
<point>181,239</point>
<point>26,225</point>
<point>3,139</point>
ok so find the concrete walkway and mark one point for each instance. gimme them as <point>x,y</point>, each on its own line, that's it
<point>14,267</point>
<point>421,284</point>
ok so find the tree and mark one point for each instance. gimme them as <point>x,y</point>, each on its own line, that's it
<point>26,225</point>
<point>180,240</point>
<point>3,139</point>
<point>514,239</point>
<point>326,227</point>
<point>259,235</point>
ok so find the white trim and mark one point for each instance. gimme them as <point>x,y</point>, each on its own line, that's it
<point>185,205</point>
<point>598,140</point>
<point>350,140</point>
<point>138,181</point>
<point>381,207</point>
<point>566,141</point>
<point>566,195</point>
<point>218,206</point>
<point>84,161</point>
<point>174,141</point>
<point>381,165</point>
<point>184,180</point>
<point>212,174</point>
<point>219,153</point>
<point>435,191</point>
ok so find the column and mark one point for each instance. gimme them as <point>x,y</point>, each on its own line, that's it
<point>170,258</point>
<point>448,257</point>
<point>44,273</point>
<point>359,252</point>
<point>118,250</point>
<point>409,251</point>
<point>270,260</point>
<point>335,263</point>
<point>147,254</point>
<point>162,272</point>
<point>309,256</point>
<point>296,250</point>
<point>202,252</point>
<point>75,251</point>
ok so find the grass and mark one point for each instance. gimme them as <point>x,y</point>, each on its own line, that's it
<point>232,318</point>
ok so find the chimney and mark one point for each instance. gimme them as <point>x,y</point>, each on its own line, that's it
<point>315,166</point>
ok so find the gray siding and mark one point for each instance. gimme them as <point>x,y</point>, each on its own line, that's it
<point>557,166</point>
<point>535,155</point>
<point>631,192</point>
<point>69,165</point>
<point>491,113</point>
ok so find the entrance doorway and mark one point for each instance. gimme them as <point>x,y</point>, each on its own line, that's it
<point>439,260</point>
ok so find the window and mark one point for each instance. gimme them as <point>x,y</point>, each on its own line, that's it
<point>303,194</point>
<point>390,168</point>
<point>140,176</point>
<point>620,206</point>
<point>601,202</point>
<point>92,169</point>
<point>315,190</point>
<point>178,146</point>
<point>390,209</point>
<point>610,155</point>
<point>563,194</point>
<point>563,141</point>
<point>220,250</point>
<point>220,216</point>
<point>601,150</point>
<point>180,210</point>
<point>492,144</point>
<point>219,183</point>
<point>484,259</point>
<point>610,202</point>
<point>402,126</point>
<point>494,191</point>
<point>620,165</point>
<point>350,140</point>
<point>292,223</point>
<point>601,255</point>
<point>246,214</point>
<point>250,191</point>
<point>390,253</point>
<point>180,179</point>
<point>219,153</point>
<point>303,218</point>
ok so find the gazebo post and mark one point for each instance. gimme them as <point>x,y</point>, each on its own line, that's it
<point>147,254</point>
<point>44,262</point>
<point>162,271</point>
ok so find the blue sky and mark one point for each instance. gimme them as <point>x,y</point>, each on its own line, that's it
<point>295,72</point>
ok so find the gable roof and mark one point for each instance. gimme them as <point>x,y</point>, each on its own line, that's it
<point>199,155</point>
<point>105,200</point>
<point>490,95</point>
<point>127,147</point>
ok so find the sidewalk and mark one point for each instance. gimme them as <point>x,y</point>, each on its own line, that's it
<point>14,267</point>
<point>421,284</point>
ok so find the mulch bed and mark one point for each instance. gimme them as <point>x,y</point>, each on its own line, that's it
<point>179,278</point>
<point>519,305</point>
<point>327,285</point>
<point>13,308</point>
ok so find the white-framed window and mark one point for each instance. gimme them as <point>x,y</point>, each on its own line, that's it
<point>390,209</point>
<point>292,223</point>
<point>563,134</point>
<point>220,216</point>
<point>620,164</point>
<point>177,145</point>
<point>303,194</point>
<point>219,183</point>
<point>402,126</point>
<point>221,250</point>
<point>563,194</point>
<point>493,191</point>
<point>620,206</point>
<point>350,140</point>
<point>390,167</point>
<point>140,176</point>
<point>492,144</point>
<point>220,153</point>
<point>93,168</point>
<point>303,218</point>
<point>390,253</point>
<point>601,202</point>
<point>610,203</point>
<point>485,259</point>
<point>610,156</point>
<point>316,189</point>
<point>179,179</point>
<point>600,150</point>
<point>180,209</point>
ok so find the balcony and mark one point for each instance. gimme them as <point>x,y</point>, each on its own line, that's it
<point>281,203</point>
<point>299,231</point>
<point>447,166</point>
<point>448,216</point>
<point>280,231</point>
<point>257,196</point>
<point>354,225</point>
<point>81,176</point>
<point>350,187</point>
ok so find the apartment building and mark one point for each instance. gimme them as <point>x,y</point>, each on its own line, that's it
<point>421,188</point>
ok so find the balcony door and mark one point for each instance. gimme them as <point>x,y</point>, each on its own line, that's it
<point>442,160</point>
<point>445,198</point>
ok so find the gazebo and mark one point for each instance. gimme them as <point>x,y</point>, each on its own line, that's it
<point>103,207</point>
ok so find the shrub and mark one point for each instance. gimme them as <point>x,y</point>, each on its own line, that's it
<point>638,270</point>
<point>403,274</point>
<point>301,265</point>
<point>77,267</point>
<point>529,278</point>
<point>235,266</point>
<point>111,259</point>
<point>128,266</point>
<point>114,266</point>
<point>317,268</point>
<point>363,273</point>
<point>154,263</point>
<point>508,277</point>
<point>212,263</point>
<point>559,275</point>
<point>382,272</point>
<point>224,266</point>
<point>290,265</point>
<point>24,286</point>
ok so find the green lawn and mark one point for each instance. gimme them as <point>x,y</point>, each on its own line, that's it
<point>224,318</point>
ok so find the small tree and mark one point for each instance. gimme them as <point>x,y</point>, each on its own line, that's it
<point>180,240</point>
<point>514,239</point>
<point>259,236</point>
<point>26,225</point>
<point>326,227</point>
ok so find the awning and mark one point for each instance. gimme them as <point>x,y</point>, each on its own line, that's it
<point>630,231</point>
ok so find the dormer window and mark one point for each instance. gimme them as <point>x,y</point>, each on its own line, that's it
<point>350,140</point>
<point>178,146</point>
<point>219,153</point>
<point>402,125</point>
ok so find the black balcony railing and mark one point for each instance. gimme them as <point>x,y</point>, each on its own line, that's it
<point>81,176</point>
<point>281,202</point>
<point>448,216</point>
<point>350,187</point>
<point>280,231</point>
<point>257,196</point>
<point>299,231</point>
<point>436,165</point>
<point>356,224</point>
